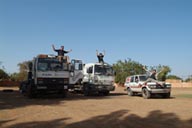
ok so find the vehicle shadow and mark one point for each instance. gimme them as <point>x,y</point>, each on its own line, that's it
<point>154,96</point>
<point>14,99</point>
<point>117,119</point>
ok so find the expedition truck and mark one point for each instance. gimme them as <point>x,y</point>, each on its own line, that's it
<point>49,75</point>
<point>97,78</point>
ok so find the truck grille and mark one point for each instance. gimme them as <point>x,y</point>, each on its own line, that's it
<point>53,81</point>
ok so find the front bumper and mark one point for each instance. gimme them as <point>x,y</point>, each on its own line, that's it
<point>52,87</point>
<point>160,90</point>
<point>102,87</point>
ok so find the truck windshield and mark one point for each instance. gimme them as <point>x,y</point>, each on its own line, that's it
<point>48,64</point>
<point>103,70</point>
<point>143,78</point>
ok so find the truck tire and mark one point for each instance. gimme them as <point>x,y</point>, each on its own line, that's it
<point>129,92</point>
<point>30,92</point>
<point>86,90</point>
<point>145,93</point>
<point>166,95</point>
<point>106,93</point>
<point>63,93</point>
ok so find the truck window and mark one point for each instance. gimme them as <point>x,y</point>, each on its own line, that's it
<point>132,79</point>
<point>143,78</point>
<point>136,79</point>
<point>42,66</point>
<point>51,64</point>
<point>55,66</point>
<point>103,70</point>
<point>90,70</point>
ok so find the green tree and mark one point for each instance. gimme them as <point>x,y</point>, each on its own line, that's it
<point>23,70</point>
<point>163,74</point>
<point>14,76</point>
<point>126,68</point>
<point>3,75</point>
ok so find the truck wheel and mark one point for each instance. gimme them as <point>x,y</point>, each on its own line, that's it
<point>63,93</point>
<point>106,93</point>
<point>145,93</point>
<point>86,90</point>
<point>30,91</point>
<point>129,92</point>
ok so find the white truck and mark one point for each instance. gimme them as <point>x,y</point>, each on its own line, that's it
<point>47,74</point>
<point>97,78</point>
<point>137,84</point>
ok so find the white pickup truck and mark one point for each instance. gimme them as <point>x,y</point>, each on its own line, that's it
<point>137,84</point>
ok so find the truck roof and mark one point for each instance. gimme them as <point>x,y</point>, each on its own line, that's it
<point>106,64</point>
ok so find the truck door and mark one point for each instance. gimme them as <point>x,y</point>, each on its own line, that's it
<point>76,71</point>
<point>136,84</point>
<point>132,84</point>
<point>77,64</point>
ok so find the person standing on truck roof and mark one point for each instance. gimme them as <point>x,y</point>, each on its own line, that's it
<point>61,53</point>
<point>100,56</point>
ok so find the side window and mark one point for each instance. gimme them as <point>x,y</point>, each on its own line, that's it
<point>136,79</point>
<point>132,79</point>
<point>90,70</point>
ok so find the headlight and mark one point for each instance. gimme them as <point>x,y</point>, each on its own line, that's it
<point>168,86</point>
<point>152,86</point>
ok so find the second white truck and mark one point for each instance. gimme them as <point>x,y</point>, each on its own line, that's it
<point>98,78</point>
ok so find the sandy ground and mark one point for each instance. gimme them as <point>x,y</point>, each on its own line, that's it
<point>117,110</point>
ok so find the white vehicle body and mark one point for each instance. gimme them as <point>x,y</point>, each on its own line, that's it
<point>48,74</point>
<point>97,78</point>
<point>137,84</point>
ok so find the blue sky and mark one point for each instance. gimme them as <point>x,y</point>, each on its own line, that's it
<point>151,32</point>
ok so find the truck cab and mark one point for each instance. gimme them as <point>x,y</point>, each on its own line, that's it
<point>98,78</point>
<point>48,74</point>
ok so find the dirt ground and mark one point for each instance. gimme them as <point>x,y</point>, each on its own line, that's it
<point>114,111</point>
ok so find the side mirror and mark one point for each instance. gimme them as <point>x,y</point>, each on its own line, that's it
<point>90,70</point>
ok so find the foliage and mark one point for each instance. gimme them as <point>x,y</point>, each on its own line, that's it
<point>189,79</point>
<point>23,70</point>
<point>3,75</point>
<point>164,72</point>
<point>14,77</point>
<point>126,68</point>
